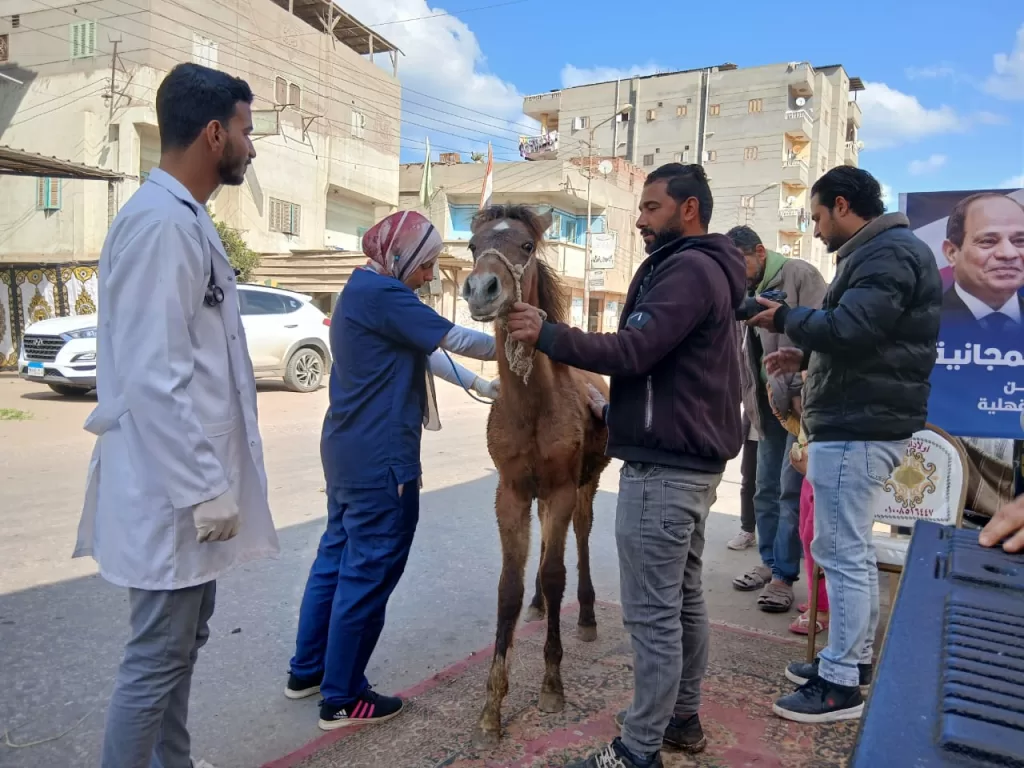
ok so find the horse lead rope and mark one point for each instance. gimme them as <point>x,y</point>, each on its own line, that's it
<point>519,361</point>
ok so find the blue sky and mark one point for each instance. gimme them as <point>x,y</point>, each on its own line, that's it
<point>944,107</point>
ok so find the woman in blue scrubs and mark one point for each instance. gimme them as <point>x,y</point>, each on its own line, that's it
<point>381,397</point>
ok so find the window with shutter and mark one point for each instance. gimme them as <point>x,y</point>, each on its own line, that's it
<point>284,217</point>
<point>280,91</point>
<point>204,51</point>
<point>5,48</point>
<point>294,95</point>
<point>83,39</point>
<point>648,159</point>
<point>652,114</point>
<point>358,124</point>
<point>681,110</point>
<point>750,153</point>
<point>755,105</point>
<point>715,110</point>
<point>48,194</point>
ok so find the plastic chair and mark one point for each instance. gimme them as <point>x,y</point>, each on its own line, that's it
<point>930,484</point>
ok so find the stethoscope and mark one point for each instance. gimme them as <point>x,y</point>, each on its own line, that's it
<point>214,293</point>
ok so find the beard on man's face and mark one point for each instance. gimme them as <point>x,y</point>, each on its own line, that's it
<point>673,230</point>
<point>232,166</point>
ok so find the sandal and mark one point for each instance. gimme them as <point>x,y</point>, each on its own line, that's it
<point>753,579</point>
<point>775,598</point>
<point>802,624</point>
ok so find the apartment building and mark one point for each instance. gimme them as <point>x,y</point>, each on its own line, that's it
<point>558,186</point>
<point>326,116</point>
<point>764,135</point>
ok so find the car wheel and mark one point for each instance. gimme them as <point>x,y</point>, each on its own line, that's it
<point>305,371</point>
<point>67,390</point>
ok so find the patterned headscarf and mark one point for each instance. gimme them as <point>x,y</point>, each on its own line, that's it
<point>400,243</point>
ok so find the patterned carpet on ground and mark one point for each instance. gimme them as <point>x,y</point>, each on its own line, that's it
<point>744,677</point>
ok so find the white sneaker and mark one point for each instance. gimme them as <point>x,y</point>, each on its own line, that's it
<point>742,540</point>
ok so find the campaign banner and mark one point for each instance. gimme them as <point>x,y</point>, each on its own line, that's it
<point>977,238</point>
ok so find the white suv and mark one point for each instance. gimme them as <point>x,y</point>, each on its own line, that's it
<point>288,338</point>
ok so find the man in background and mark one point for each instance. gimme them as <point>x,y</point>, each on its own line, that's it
<point>985,246</point>
<point>869,352</point>
<point>767,400</point>
<point>674,421</point>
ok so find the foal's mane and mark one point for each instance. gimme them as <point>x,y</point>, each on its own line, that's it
<point>551,293</point>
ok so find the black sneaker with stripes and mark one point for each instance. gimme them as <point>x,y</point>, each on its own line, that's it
<point>371,707</point>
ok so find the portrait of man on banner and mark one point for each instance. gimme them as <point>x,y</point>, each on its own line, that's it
<point>978,241</point>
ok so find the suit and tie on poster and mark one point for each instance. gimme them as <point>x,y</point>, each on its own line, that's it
<point>978,241</point>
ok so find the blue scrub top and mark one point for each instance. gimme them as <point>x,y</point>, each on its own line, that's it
<point>381,336</point>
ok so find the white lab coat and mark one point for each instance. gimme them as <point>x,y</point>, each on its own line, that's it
<point>176,422</point>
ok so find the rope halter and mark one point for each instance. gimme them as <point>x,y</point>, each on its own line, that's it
<point>519,360</point>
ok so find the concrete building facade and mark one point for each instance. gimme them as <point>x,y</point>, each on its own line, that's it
<point>559,186</point>
<point>327,118</point>
<point>763,134</point>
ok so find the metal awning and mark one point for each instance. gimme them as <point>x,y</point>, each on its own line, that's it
<point>18,162</point>
<point>346,27</point>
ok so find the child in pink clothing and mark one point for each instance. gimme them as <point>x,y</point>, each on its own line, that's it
<point>802,623</point>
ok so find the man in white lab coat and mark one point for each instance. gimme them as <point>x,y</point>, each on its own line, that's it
<point>177,492</point>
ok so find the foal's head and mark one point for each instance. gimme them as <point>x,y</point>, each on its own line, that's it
<point>506,243</point>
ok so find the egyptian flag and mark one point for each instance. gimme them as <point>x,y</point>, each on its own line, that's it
<point>487,191</point>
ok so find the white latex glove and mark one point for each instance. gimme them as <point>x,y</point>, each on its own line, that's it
<point>488,389</point>
<point>217,519</point>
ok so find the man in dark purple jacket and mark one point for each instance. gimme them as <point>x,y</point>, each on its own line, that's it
<point>674,420</point>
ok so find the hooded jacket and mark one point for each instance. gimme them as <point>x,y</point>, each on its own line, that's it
<point>674,362</point>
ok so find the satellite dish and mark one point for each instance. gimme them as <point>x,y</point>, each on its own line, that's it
<point>605,167</point>
<point>800,101</point>
<point>860,145</point>
<point>786,250</point>
<point>790,200</point>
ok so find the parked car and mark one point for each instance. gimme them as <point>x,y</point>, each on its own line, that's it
<point>288,338</point>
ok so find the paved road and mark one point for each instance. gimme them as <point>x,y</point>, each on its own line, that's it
<point>62,628</point>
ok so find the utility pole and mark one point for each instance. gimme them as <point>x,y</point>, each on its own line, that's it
<point>622,110</point>
<point>113,73</point>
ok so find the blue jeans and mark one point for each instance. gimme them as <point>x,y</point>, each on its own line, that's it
<point>777,502</point>
<point>847,481</point>
<point>659,531</point>
<point>361,557</point>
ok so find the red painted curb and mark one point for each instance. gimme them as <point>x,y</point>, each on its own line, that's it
<point>294,758</point>
<point>478,657</point>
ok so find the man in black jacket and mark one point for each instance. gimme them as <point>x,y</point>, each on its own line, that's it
<point>674,420</point>
<point>869,351</point>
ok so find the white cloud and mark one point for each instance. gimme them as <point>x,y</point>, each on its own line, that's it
<point>444,60</point>
<point>572,76</point>
<point>892,117</point>
<point>932,163</point>
<point>1014,182</point>
<point>1007,79</point>
<point>930,73</point>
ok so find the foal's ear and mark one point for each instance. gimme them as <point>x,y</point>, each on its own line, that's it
<point>545,220</point>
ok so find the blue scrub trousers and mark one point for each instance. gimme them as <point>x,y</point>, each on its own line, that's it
<point>360,560</point>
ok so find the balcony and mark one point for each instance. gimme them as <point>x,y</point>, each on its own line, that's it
<point>542,105</point>
<point>852,153</point>
<point>795,172</point>
<point>800,123</point>
<point>543,147</point>
<point>854,114</point>
<point>793,219</point>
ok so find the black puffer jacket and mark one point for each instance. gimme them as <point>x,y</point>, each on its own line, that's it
<point>873,342</point>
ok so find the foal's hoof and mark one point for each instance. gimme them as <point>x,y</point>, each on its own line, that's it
<point>533,613</point>
<point>551,702</point>
<point>586,634</point>
<point>485,740</point>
